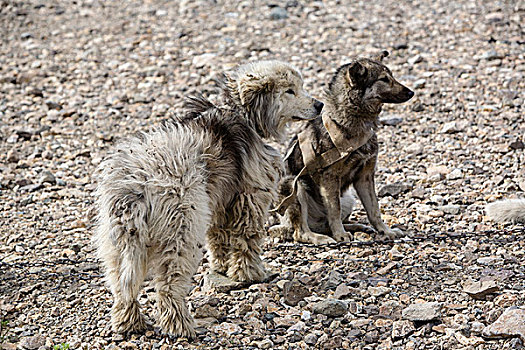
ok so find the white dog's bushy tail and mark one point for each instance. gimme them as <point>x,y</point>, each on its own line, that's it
<point>510,210</point>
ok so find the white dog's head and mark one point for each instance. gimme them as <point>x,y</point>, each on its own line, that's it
<point>271,94</point>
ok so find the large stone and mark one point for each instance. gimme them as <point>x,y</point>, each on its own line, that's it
<point>422,312</point>
<point>331,308</point>
<point>479,289</point>
<point>510,324</point>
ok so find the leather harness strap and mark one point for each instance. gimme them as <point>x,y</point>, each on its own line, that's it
<point>313,162</point>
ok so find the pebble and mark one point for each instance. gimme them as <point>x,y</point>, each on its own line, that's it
<point>390,120</point>
<point>402,328</point>
<point>415,59</point>
<point>294,292</point>
<point>227,328</point>
<point>394,189</point>
<point>278,13</point>
<point>330,308</point>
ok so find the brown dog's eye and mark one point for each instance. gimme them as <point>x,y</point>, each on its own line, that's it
<point>384,79</point>
<point>290,91</point>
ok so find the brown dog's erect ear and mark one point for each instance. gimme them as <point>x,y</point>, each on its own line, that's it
<point>250,86</point>
<point>355,73</point>
<point>382,55</point>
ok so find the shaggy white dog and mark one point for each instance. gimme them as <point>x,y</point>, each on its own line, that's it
<point>207,175</point>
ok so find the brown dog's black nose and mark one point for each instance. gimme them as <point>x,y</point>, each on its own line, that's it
<point>318,105</point>
<point>410,93</point>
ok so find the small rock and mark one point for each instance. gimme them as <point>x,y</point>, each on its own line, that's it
<point>470,341</point>
<point>418,107</point>
<point>491,55</point>
<point>449,128</point>
<point>53,105</point>
<point>415,148</point>
<point>422,312</point>
<point>33,343</point>
<point>47,176</point>
<point>450,209</point>
<point>220,283</point>
<point>227,328</point>
<point>506,300</point>
<point>419,84</point>
<point>510,324</point>
<point>294,291</point>
<point>437,170</point>
<point>278,13</point>
<point>12,156</point>
<point>395,254</point>
<point>310,339</point>
<point>264,344</point>
<point>25,36</point>
<point>401,329</point>
<point>518,144</point>
<point>203,60</point>
<point>342,291</point>
<point>331,308</point>
<point>333,343</point>
<point>415,59</point>
<point>378,291</point>
<point>35,92</point>
<point>477,327</point>
<point>479,289</point>
<point>394,189</point>
<point>489,260</point>
<point>390,120</point>
<point>387,268</point>
<point>333,280</point>
<point>455,174</point>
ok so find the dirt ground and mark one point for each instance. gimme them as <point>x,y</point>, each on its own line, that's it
<point>76,76</point>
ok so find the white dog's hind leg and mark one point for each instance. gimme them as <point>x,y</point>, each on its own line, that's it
<point>125,271</point>
<point>219,246</point>
<point>247,232</point>
<point>172,281</point>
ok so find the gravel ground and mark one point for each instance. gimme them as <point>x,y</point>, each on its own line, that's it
<point>77,76</point>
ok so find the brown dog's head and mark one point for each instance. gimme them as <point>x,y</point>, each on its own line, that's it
<point>369,84</point>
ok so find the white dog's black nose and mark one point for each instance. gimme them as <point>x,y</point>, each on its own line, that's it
<point>318,105</point>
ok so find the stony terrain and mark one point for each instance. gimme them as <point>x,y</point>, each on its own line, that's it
<point>75,76</point>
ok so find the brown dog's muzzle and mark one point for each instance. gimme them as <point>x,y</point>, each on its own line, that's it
<point>404,94</point>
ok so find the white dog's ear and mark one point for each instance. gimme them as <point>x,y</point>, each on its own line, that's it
<point>251,86</point>
<point>355,73</point>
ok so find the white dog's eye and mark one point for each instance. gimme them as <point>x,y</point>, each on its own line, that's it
<point>290,91</point>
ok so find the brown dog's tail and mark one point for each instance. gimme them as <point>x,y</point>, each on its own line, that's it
<point>510,210</point>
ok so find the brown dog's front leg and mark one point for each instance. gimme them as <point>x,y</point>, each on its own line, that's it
<point>365,188</point>
<point>330,190</point>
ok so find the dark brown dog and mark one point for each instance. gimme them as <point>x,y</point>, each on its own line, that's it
<point>340,150</point>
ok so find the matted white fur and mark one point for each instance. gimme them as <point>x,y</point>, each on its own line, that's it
<point>509,210</point>
<point>206,176</point>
